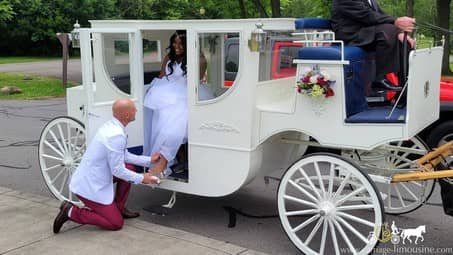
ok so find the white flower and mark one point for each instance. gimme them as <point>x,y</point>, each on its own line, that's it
<point>314,79</point>
<point>307,70</point>
<point>326,75</point>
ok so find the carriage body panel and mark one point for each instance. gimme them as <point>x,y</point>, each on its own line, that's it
<point>236,135</point>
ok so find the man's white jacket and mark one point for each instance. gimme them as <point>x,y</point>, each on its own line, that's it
<point>104,158</point>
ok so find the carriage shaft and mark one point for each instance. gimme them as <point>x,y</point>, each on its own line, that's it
<point>427,165</point>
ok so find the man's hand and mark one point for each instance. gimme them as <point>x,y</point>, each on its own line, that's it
<point>150,179</point>
<point>407,24</point>
<point>410,40</point>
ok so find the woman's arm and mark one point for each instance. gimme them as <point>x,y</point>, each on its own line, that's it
<point>164,66</point>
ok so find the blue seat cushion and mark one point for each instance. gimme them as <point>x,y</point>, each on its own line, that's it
<point>351,53</point>
<point>313,23</point>
<point>379,115</point>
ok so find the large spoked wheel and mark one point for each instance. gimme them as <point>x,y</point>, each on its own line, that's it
<point>322,214</point>
<point>403,197</point>
<point>61,147</point>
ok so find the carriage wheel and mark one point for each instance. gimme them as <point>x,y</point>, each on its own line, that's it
<point>61,147</point>
<point>403,197</point>
<point>319,211</point>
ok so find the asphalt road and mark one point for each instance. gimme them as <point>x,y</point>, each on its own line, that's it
<point>22,122</point>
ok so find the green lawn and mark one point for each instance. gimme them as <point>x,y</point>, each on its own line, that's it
<point>12,60</point>
<point>33,87</point>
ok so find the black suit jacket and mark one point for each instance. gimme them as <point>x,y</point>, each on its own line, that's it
<point>354,21</point>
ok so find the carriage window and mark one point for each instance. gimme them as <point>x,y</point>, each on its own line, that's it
<point>219,63</point>
<point>116,60</point>
<point>276,61</point>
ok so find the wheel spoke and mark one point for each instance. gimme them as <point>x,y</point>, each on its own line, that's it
<point>301,189</point>
<point>389,195</point>
<point>409,191</point>
<point>353,230</point>
<point>416,183</point>
<point>54,137</point>
<point>58,175</point>
<point>302,212</point>
<point>52,157</point>
<point>54,149</point>
<point>356,219</point>
<point>306,223</point>
<point>310,183</point>
<point>64,182</point>
<point>300,201</point>
<point>52,167</point>
<point>323,237</point>
<point>331,180</point>
<point>334,238</point>
<point>407,161</point>
<point>355,207</point>
<point>345,237</point>
<point>321,183</point>
<point>62,137</point>
<point>314,231</point>
<point>399,195</point>
<point>343,183</point>
<point>68,129</point>
<point>405,154</point>
<point>353,193</point>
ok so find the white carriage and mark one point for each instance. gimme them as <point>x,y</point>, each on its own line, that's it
<point>254,123</point>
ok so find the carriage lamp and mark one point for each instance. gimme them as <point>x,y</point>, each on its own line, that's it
<point>257,41</point>
<point>75,35</point>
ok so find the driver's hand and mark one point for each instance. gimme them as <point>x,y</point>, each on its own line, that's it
<point>410,40</point>
<point>407,24</point>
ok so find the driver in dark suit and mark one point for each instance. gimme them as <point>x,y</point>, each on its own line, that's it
<point>363,23</point>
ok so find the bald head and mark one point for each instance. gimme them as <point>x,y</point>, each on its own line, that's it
<point>124,110</point>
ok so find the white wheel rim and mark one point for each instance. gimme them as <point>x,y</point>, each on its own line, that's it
<point>401,197</point>
<point>61,147</point>
<point>313,200</point>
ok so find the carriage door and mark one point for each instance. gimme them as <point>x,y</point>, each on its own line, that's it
<point>118,73</point>
<point>221,106</point>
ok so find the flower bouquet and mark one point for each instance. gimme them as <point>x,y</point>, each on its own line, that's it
<point>315,83</point>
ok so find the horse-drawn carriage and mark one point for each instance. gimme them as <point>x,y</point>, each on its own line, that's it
<point>254,123</point>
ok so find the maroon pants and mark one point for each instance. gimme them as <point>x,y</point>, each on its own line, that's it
<point>105,216</point>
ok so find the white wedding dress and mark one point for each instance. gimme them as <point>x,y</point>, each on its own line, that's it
<point>166,115</point>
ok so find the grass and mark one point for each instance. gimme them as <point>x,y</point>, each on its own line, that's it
<point>33,87</point>
<point>13,60</point>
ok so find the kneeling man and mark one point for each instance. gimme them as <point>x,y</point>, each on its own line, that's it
<point>101,165</point>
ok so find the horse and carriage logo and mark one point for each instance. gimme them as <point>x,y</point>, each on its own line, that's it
<point>395,235</point>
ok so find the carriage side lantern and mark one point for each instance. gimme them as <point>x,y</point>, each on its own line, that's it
<point>75,35</point>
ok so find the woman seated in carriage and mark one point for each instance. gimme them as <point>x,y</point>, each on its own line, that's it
<point>165,107</point>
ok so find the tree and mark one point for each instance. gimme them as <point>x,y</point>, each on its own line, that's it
<point>6,11</point>
<point>275,5</point>
<point>443,16</point>
<point>410,8</point>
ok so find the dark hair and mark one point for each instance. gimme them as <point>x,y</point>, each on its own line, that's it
<point>172,54</point>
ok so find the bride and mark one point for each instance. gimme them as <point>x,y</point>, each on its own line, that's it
<point>166,111</point>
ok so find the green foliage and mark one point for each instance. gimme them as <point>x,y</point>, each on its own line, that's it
<point>306,8</point>
<point>6,11</point>
<point>29,26</point>
<point>33,87</point>
<point>36,22</point>
<point>25,59</point>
